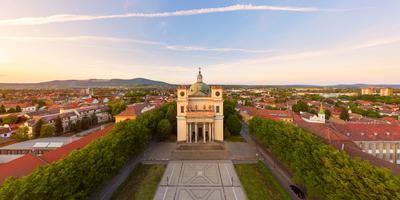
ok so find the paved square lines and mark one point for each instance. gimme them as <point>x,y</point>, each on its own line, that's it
<point>200,180</point>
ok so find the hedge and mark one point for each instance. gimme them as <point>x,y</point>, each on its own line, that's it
<point>83,172</point>
<point>325,171</point>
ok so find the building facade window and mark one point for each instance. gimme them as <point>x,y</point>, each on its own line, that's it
<point>182,109</point>
<point>217,109</point>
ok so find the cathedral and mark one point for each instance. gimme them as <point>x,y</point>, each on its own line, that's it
<point>200,114</point>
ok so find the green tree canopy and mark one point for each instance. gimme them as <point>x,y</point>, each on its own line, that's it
<point>10,119</point>
<point>164,129</point>
<point>344,114</point>
<point>116,106</point>
<point>21,134</point>
<point>37,128</point>
<point>47,130</point>
<point>59,129</point>
<point>233,124</point>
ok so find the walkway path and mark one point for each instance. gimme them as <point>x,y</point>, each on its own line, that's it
<point>200,180</point>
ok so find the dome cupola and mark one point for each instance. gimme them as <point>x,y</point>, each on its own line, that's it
<point>199,88</point>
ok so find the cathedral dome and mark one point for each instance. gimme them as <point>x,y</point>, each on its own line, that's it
<point>199,88</point>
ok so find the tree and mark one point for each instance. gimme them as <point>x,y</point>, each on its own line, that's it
<point>18,108</point>
<point>37,128</point>
<point>300,107</point>
<point>2,109</point>
<point>85,123</point>
<point>76,126</point>
<point>344,114</point>
<point>47,130</point>
<point>164,129</point>
<point>10,119</point>
<point>94,120</point>
<point>59,129</point>
<point>171,116</point>
<point>11,110</point>
<point>21,134</point>
<point>328,114</point>
<point>116,106</point>
<point>227,134</point>
<point>233,124</point>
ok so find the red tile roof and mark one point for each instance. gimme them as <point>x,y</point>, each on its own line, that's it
<point>63,151</point>
<point>276,115</point>
<point>28,163</point>
<point>20,166</point>
<point>370,132</point>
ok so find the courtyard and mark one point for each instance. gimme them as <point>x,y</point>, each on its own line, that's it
<point>200,180</point>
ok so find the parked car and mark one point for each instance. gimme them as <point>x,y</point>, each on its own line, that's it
<point>298,192</point>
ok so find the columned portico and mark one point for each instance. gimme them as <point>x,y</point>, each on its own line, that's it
<point>199,132</point>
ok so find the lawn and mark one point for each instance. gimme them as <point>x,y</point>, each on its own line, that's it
<point>259,183</point>
<point>235,138</point>
<point>141,184</point>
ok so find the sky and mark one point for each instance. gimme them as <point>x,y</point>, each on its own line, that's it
<point>234,42</point>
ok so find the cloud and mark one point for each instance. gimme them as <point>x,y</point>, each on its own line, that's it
<point>130,40</point>
<point>371,43</point>
<point>70,17</point>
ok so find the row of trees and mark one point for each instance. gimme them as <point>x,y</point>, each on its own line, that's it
<point>82,172</point>
<point>325,171</point>
<point>11,110</point>
<point>167,125</point>
<point>232,124</point>
<point>374,98</point>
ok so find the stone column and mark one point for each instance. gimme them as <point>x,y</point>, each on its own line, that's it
<point>195,132</point>
<point>209,132</point>
<point>190,132</point>
<point>204,132</point>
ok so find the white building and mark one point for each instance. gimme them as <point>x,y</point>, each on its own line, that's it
<point>200,113</point>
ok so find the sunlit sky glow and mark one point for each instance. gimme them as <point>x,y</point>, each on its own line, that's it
<point>235,42</point>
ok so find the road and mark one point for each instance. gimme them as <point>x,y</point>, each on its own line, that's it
<point>280,174</point>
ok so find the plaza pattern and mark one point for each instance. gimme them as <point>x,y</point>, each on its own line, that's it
<point>200,180</point>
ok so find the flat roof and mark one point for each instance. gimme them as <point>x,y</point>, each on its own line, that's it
<point>51,142</point>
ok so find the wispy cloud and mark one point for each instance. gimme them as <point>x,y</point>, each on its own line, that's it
<point>161,45</point>
<point>71,17</point>
<point>371,43</point>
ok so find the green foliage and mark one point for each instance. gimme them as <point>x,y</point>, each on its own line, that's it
<point>59,129</point>
<point>233,124</point>
<point>2,109</point>
<point>21,134</point>
<point>300,106</point>
<point>227,134</point>
<point>344,114</point>
<point>37,128</point>
<point>85,123</point>
<point>328,114</point>
<point>10,119</point>
<point>40,102</point>
<point>325,171</point>
<point>141,184</point>
<point>18,108</point>
<point>47,130</point>
<point>164,129</point>
<point>116,106</point>
<point>171,116</point>
<point>259,183</point>
<point>94,120</point>
<point>374,98</point>
<point>82,172</point>
<point>11,110</point>
<point>366,113</point>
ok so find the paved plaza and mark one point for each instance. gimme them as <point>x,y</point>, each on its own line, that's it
<point>200,180</point>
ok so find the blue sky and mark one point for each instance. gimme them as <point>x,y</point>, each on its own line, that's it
<point>235,42</point>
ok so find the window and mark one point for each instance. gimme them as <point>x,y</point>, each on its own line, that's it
<point>182,109</point>
<point>217,108</point>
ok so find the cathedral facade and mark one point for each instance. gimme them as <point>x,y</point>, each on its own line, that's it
<point>200,114</point>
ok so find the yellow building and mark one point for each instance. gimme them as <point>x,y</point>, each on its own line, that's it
<point>386,91</point>
<point>200,113</point>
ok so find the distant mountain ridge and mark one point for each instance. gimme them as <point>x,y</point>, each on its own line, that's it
<point>143,82</point>
<point>136,82</point>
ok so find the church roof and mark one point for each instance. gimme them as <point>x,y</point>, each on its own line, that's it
<point>199,88</point>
